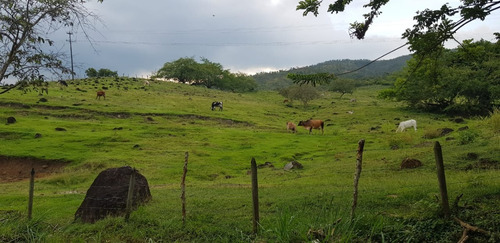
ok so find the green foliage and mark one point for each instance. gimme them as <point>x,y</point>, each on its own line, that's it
<point>312,79</point>
<point>207,73</point>
<point>183,69</point>
<point>467,136</point>
<point>368,75</point>
<point>494,120</point>
<point>462,81</point>
<point>102,73</point>
<point>433,28</point>
<point>304,93</point>
<point>24,41</point>
<point>342,86</point>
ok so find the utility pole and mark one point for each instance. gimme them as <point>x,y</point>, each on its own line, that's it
<point>71,53</point>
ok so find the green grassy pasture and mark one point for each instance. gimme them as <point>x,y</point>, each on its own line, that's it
<point>150,128</point>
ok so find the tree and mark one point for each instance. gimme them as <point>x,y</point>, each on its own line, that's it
<point>237,82</point>
<point>464,81</point>
<point>304,93</point>
<point>207,73</point>
<point>91,73</point>
<point>342,86</point>
<point>104,72</point>
<point>183,69</point>
<point>432,29</point>
<point>24,36</point>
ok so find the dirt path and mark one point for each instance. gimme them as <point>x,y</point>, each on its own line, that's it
<point>18,169</point>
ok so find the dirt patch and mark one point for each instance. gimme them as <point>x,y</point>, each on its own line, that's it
<point>19,168</point>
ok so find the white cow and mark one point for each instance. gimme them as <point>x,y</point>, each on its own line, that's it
<point>406,124</point>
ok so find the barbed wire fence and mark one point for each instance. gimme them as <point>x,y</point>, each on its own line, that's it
<point>363,190</point>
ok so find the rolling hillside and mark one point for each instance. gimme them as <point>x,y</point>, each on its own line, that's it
<point>378,69</point>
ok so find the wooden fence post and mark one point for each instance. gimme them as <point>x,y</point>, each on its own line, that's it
<point>359,161</point>
<point>32,188</point>
<point>255,197</point>
<point>438,154</point>
<point>183,189</point>
<point>130,195</point>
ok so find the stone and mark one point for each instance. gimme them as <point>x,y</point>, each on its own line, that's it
<point>11,120</point>
<point>107,196</point>
<point>293,165</point>
<point>410,163</point>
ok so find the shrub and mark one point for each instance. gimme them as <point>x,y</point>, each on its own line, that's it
<point>494,120</point>
<point>431,134</point>
<point>467,136</point>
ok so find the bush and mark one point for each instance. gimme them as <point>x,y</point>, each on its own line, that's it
<point>494,120</point>
<point>467,136</point>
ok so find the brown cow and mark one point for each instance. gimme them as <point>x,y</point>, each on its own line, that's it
<point>310,124</point>
<point>101,93</point>
<point>291,127</point>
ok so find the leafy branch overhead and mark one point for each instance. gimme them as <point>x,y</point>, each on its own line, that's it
<point>25,47</point>
<point>312,79</point>
<point>432,29</point>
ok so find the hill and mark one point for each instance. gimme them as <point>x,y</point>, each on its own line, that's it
<point>378,69</point>
<point>151,128</point>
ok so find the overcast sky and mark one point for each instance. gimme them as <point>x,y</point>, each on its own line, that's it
<point>137,37</point>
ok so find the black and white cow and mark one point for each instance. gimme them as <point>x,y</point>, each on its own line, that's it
<point>217,104</point>
<point>63,83</point>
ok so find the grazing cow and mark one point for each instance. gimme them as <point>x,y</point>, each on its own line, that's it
<point>310,124</point>
<point>146,83</point>
<point>285,101</point>
<point>217,104</point>
<point>100,93</point>
<point>291,127</point>
<point>406,124</point>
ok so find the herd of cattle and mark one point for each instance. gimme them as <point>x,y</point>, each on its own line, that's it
<point>290,126</point>
<point>320,124</point>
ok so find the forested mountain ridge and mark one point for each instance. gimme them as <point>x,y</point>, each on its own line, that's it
<point>378,69</point>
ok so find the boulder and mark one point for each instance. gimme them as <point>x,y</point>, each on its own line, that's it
<point>11,120</point>
<point>410,163</point>
<point>267,164</point>
<point>108,194</point>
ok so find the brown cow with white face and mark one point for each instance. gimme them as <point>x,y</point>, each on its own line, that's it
<point>310,124</point>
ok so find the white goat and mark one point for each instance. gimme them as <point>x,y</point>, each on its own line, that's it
<point>406,124</point>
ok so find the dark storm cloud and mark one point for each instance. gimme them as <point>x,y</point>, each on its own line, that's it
<point>138,37</point>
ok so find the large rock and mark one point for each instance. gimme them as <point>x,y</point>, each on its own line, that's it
<point>108,194</point>
<point>409,163</point>
<point>11,120</point>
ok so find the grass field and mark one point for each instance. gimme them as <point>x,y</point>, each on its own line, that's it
<point>150,128</point>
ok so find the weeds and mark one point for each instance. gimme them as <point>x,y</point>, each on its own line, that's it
<point>467,136</point>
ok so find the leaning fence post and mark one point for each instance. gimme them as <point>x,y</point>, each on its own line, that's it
<point>359,161</point>
<point>32,188</point>
<point>438,154</point>
<point>130,195</point>
<point>255,196</point>
<point>183,189</point>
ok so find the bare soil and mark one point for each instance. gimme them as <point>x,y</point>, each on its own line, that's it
<point>17,169</point>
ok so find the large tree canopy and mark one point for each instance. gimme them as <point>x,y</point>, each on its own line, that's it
<point>432,28</point>
<point>206,73</point>
<point>464,81</point>
<point>25,27</point>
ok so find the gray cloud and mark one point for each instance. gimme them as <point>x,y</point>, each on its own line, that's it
<point>138,37</point>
